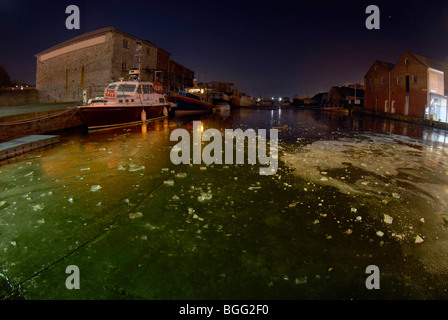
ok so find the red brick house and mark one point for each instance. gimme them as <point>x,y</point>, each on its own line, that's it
<point>346,96</point>
<point>377,83</point>
<point>414,86</point>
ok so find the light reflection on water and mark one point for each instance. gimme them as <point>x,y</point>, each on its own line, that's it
<point>137,226</point>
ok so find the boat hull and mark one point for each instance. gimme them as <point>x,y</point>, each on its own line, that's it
<point>102,116</point>
<point>241,102</point>
<point>189,106</point>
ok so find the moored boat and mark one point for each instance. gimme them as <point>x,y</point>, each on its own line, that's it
<point>189,104</point>
<point>126,103</point>
<point>240,99</point>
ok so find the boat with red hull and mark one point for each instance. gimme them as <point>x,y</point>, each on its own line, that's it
<point>189,104</point>
<point>126,103</point>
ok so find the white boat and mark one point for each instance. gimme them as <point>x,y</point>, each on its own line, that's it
<point>240,99</point>
<point>125,103</point>
<point>218,96</point>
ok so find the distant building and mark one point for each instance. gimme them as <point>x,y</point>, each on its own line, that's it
<point>377,83</point>
<point>320,99</point>
<point>414,86</point>
<point>87,63</point>
<point>346,96</point>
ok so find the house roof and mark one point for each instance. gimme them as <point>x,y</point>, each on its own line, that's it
<point>92,34</point>
<point>431,63</point>
<point>387,65</point>
<point>349,92</point>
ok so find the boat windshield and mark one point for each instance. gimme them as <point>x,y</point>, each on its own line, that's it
<point>112,86</point>
<point>146,88</point>
<point>125,90</point>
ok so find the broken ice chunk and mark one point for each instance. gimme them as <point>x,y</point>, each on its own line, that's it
<point>169,182</point>
<point>85,169</point>
<point>418,239</point>
<point>204,196</point>
<point>133,168</point>
<point>388,219</point>
<point>38,207</point>
<point>121,168</point>
<point>380,233</point>
<point>95,188</point>
<point>135,215</point>
<point>181,175</point>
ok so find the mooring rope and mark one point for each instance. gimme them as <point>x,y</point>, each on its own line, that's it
<point>10,123</point>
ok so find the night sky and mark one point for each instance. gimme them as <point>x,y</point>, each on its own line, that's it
<point>266,48</point>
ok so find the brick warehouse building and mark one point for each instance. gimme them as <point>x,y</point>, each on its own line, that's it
<point>414,86</point>
<point>87,63</point>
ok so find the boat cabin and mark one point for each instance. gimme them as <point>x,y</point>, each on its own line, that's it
<point>134,93</point>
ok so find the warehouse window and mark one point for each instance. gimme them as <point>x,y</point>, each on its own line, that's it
<point>124,66</point>
<point>399,80</point>
<point>414,79</point>
<point>125,43</point>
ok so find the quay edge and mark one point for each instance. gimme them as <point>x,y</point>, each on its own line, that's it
<point>16,126</point>
<point>403,118</point>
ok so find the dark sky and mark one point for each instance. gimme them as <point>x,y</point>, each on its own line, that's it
<point>266,48</point>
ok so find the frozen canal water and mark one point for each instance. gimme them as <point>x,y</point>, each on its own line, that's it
<point>349,192</point>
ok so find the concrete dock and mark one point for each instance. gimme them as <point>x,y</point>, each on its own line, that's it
<point>22,145</point>
<point>20,121</point>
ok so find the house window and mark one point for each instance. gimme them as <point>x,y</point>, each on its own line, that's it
<point>414,79</point>
<point>382,80</point>
<point>371,81</point>
<point>147,51</point>
<point>124,66</point>
<point>125,43</point>
<point>406,61</point>
<point>138,47</point>
<point>399,80</point>
<point>166,60</point>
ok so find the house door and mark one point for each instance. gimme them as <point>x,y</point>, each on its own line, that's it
<point>406,111</point>
<point>407,83</point>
